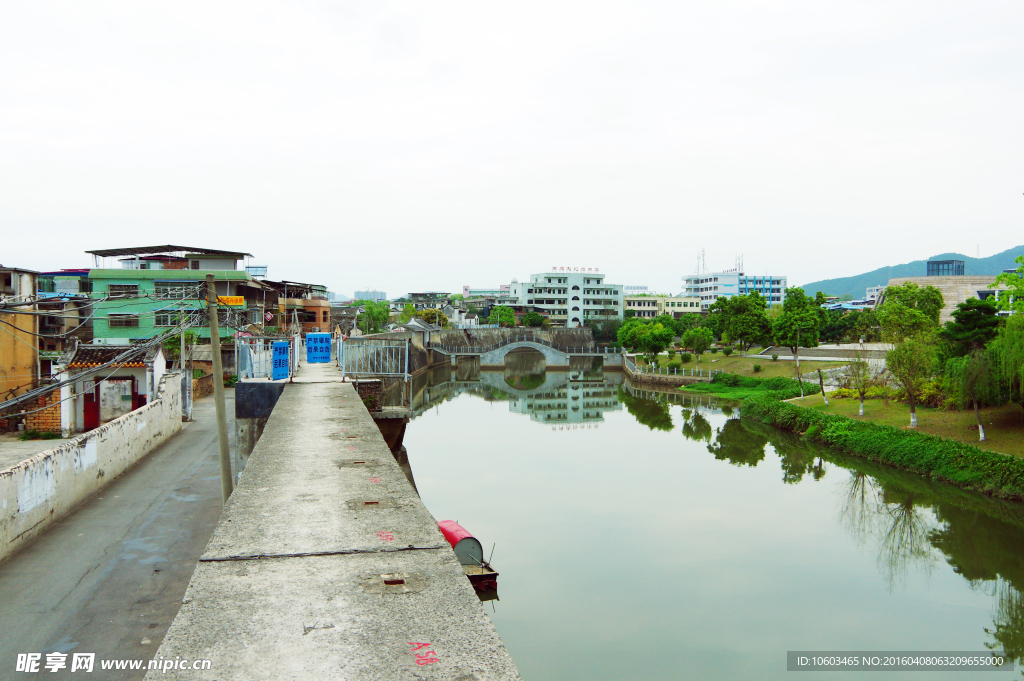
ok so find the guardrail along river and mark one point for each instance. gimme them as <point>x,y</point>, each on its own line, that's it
<point>641,536</point>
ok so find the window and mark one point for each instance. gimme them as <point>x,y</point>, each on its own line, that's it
<point>175,290</point>
<point>122,321</point>
<point>194,265</point>
<point>123,290</point>
<point>165,319</point>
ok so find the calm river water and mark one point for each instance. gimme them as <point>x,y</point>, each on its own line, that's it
<point>643,538</point>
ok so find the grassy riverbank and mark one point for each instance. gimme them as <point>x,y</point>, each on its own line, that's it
<point>1004,427</point>
<point>940,458</point>
<point>744,366</point>
<point>736,387</point>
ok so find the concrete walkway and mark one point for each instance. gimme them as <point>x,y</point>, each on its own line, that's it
<point>326,564</point>
<point>14,450</point>
<point>108,578</point>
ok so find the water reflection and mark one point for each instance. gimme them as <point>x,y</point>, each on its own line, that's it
<point>914,528</point>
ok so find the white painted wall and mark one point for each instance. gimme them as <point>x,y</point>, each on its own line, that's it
<point>41,490</point>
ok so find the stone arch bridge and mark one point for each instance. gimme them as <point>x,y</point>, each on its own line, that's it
<point>554,356</point>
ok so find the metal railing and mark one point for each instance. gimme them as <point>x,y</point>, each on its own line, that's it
<point>374,356</point>
<point>521,338</point>
<point>254,355</point>
<point>646,370</point>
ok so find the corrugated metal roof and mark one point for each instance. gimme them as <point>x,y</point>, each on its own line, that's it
<point>155,250</point>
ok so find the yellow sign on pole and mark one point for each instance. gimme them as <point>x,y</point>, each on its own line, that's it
<point>237,301</point>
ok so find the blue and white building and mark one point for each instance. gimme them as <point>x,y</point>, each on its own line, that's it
<point>711,286</point>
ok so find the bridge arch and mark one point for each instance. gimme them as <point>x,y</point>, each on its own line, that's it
<point>552,357</point>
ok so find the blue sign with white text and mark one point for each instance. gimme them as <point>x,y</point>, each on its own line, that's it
<point>280,359</point>
<point>318,348</point>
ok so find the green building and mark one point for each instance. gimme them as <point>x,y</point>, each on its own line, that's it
<point>153,285</point>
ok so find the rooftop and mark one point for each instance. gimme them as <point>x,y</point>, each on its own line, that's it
<point>164,250</point>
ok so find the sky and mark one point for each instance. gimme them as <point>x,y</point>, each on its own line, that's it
<point>409,146</point>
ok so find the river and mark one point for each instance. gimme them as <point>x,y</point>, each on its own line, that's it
<point>651,537</point>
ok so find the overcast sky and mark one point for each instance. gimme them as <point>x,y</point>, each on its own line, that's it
<point>416,146</point>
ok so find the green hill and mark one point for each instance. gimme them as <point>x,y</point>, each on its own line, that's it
<point>858,284</point>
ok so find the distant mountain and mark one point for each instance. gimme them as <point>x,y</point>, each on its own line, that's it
<point>858,284</point>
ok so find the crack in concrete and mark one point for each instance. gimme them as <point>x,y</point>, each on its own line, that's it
<point>307,554</point>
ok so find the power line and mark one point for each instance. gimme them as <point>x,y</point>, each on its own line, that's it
<point>118,360</point>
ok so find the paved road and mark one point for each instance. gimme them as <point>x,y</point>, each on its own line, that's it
<point>109,578</point>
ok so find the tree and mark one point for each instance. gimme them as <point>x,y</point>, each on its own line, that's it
<point>408,312</point>
<point>858,373</point>
<point>654,338</point>
<point>458,296</point>
<point>746,320</point>
<point>648,338</point>
<point>433,316</point>
<point>687,322</point>
<point>606,331</point>
<point>502,315</point>
<point>698,339</point>
<point>927,300</point>
<point>629,332</point>
<point>911,363</point>
<point>374,315</point>
<point>669,322</point>
<point>1008,350</point>
<point>975,323</point>
<point>797,325</point>
<point>972,378</point>
<point>533,319</point>
<point>1012,300</point>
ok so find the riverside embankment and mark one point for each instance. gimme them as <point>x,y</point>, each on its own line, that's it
<point>326,564</point>
<point>946,460</point>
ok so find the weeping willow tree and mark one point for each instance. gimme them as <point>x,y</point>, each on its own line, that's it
<point>1008,623</point>
<point>1008,349</point>
<point>974,381</point>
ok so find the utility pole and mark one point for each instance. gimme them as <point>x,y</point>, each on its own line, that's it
<point>798,363</point>
<point>218,388</point>
<point>186,398</point>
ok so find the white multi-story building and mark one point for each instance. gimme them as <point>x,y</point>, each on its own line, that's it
<point>711,286</point>
<point>569,298</point>
<point>874,293</point>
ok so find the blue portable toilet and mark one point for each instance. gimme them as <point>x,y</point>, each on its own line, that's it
<point>318,348</point>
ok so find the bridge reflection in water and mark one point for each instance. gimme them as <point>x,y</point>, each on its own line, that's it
<point>927,564</point>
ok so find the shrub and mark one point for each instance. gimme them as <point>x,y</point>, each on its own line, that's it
<point>33,434</point>
<point>674,365</point>
<point>229,381</point>
<point>671,353</point>
<point>726,351</point>
<point>730,380</point>
<point>741,387</point>
<point>714,349</point>
<point>685,357</point>
<point>775,358</point>
<point>757,368</point>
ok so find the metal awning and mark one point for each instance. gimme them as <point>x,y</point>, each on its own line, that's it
<point>157,250</point>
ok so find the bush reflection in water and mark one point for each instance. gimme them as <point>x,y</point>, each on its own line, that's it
<point>914,523</point>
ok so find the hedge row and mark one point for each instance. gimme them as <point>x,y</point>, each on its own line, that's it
<point>942,459</point>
